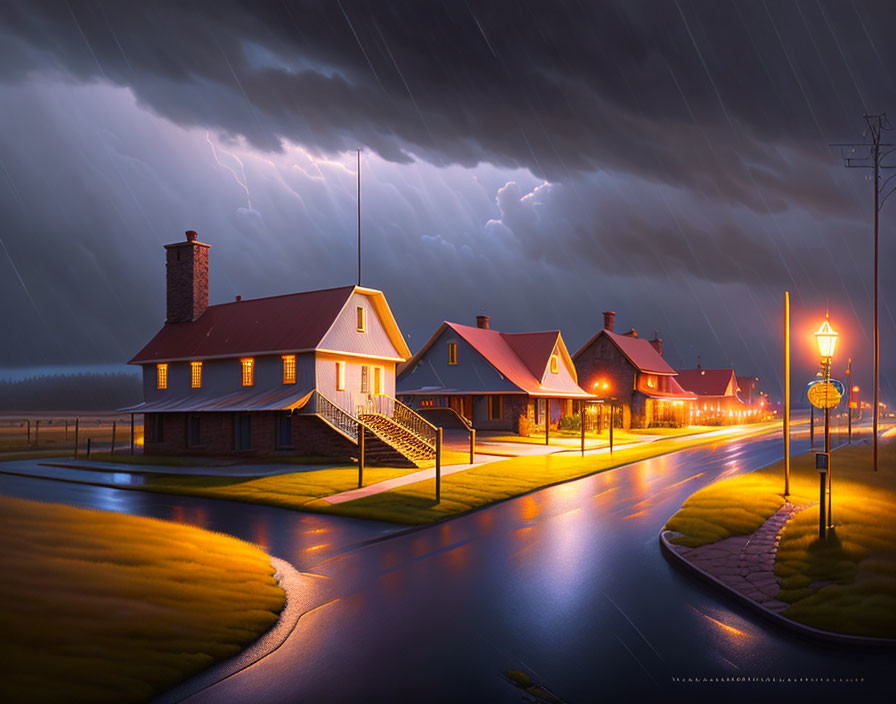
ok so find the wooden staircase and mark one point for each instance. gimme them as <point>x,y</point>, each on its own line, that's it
<point>394,435</point>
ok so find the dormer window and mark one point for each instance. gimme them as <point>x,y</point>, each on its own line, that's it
<point>289,369</point>
<point>248,371</point>
<point>196,375</point>
<point>555,364</point>
<point>161,376</point>
<point>452,353</point>
<point>362,319</point>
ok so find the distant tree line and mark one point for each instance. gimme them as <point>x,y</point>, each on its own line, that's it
<point>71,392</point>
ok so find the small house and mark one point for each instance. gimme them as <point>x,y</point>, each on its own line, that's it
<point>629,372</point>
<point>492,379</point>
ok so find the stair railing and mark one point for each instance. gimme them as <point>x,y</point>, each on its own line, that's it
<point>412,421</point>
<point>337,417</point>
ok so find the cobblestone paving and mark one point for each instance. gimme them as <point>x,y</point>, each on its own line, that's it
<point>746,563</point>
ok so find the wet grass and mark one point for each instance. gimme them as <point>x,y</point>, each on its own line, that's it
<point>845,584</point>
<point>495,481</point>
<point>103,607</point>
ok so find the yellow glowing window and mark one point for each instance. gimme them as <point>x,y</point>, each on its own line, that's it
<point>340,376</point>
<point>362,319</point>
<point>248,371</point>
<point>378,374</point>
<point>651,381</point>
<point>196,374</point>
<point>161,376</point>
<point>289,369</point>
<point>452,353</point>
<point>555,364</point>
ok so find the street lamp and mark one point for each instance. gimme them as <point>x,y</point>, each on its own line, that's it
<point>826,338</point>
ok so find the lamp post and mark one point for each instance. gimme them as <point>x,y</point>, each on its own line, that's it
<point>826,338</point>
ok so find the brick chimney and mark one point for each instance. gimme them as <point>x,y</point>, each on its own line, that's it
<point>186,265</point>
<point>657,343</point>
<point>609,315</point>
<point>482,321</point>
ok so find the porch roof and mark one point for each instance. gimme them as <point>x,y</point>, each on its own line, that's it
<point>238,401</point>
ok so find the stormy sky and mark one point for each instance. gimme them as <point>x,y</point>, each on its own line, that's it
<point>537,161</point>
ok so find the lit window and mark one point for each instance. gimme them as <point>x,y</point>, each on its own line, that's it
<point>378,378</point>
<point>340,376</point>
<point>365,379</point>
<point>161,376</point>
<point>555,364</point>
<point>196,374</point>
<point>651,381</point>
<point>289,369</point>
<point>452,353</point>
<point>362,319</point>
<point>248,371</point>
<point>494,408</point>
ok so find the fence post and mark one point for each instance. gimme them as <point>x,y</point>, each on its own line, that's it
<point>438,464</point>
<point>66,431</point>
<point>88,448</point>
<point>582,423</point>
<point>36,433</point>
<point>612,422</point>
<point>132,431</point>
<point>472,444</point>
<point>77,424</point>
<point>361,441</point>
<point>112,449</point>
<point>28,423</point>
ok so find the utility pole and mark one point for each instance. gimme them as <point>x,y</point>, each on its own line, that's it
<point>862,155</point>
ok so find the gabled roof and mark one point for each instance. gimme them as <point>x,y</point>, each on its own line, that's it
<point>709,382</point>
<point>295,322</point>
<point>637,350</point>
<point>522,358</point>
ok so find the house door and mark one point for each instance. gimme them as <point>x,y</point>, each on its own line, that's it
<point>457,404</point>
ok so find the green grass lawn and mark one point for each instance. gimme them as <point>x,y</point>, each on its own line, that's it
<point>846,584</point>
<point>103,607</point>
<point>291,491</point>
<point>495,481</point>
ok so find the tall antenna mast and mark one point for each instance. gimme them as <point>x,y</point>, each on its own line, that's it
<point>359,217</point>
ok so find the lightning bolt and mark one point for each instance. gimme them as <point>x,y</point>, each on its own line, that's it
<point>236,176</point>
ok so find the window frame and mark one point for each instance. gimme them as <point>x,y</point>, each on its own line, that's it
<point>555,363</point>
<point>340,375</point>
<point>194,440</point>
<point>284,443</point>
<point>361,318</point>
<point>365,378</point>
<point>289,365</point>
<point>196,375</point>
<point>651,381</point>
<point>247,371</point>
<point>379,381</point>
<point>452,353</point>
<point>162,376</point>
<point>490,402</point>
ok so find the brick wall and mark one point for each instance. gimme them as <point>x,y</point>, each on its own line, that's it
<point>310,437</point>
<point>603,360</point>
<point>186,265</point>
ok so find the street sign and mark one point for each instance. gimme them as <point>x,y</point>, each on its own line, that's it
<point>823,394</point>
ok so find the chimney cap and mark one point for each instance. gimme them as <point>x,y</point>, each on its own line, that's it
<point>192,235</point>
<point>239,298</point>
<point>482,321</point>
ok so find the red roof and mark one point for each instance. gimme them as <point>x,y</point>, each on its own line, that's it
<point>639,352</point>
<point>709,382</point>
<point>293,322</point>
<point>522,358</point>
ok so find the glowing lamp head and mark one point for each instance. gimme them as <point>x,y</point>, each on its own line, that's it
<point>855,389</point>
<point>826,337</point>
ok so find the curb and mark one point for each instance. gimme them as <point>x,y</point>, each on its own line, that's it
<point>291,581</point>
<point>829,636</point>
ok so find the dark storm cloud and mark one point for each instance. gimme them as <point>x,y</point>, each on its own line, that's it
<point>703,95</point>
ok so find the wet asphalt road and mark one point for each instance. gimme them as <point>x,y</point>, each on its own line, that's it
<point>567,583</point>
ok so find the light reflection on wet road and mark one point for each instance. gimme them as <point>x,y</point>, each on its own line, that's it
<point>567,583</point>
